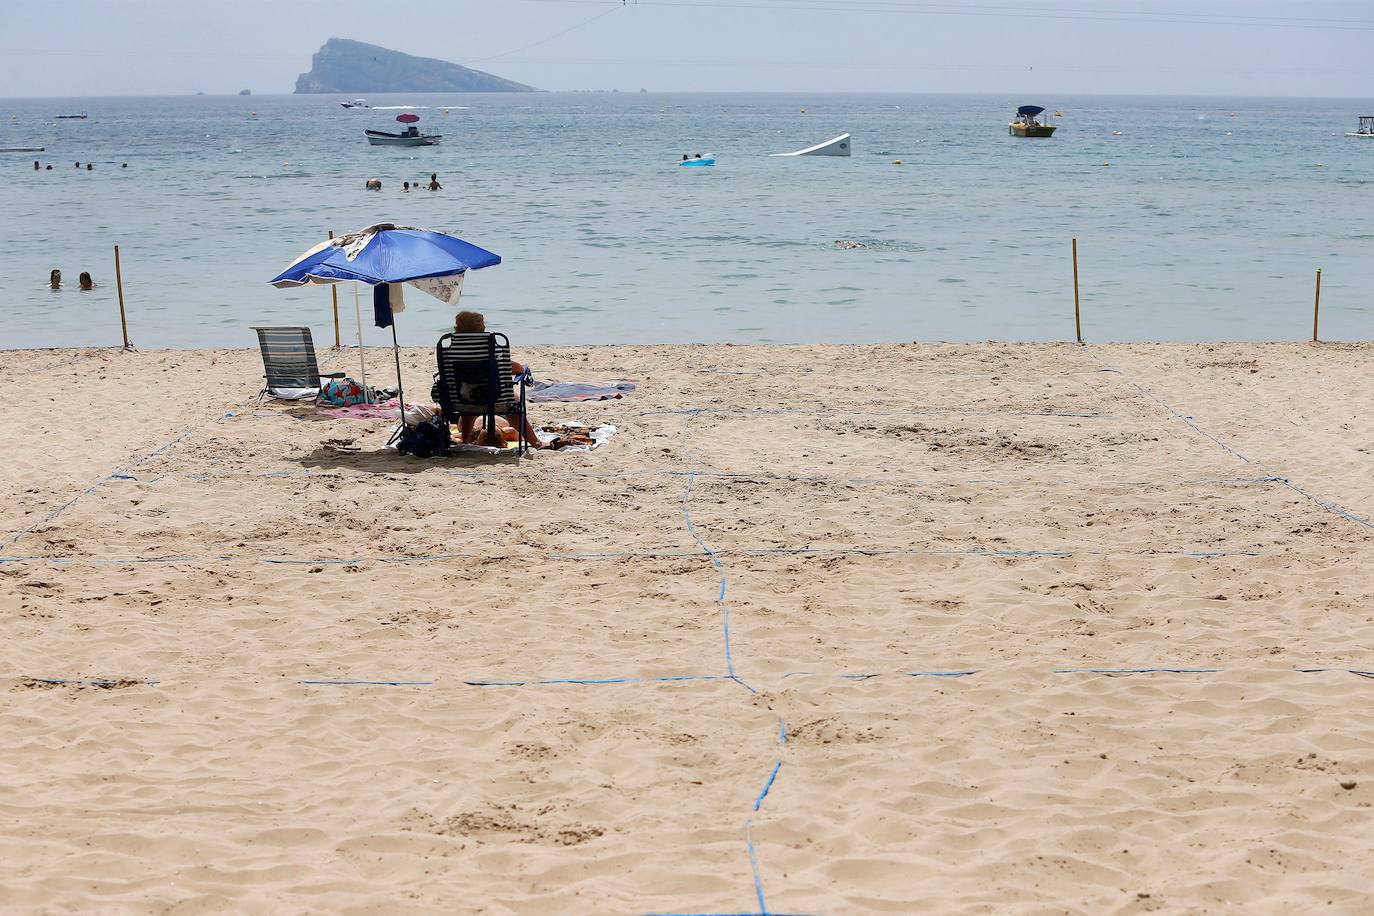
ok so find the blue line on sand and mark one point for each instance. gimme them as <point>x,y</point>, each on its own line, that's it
<point>1136,670</point>
<point>93,682</point>
<point>369,683</point>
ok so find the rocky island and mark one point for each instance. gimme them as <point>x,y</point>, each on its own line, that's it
<point>343,65</point>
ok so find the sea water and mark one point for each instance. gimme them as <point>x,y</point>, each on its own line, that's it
<point>1205,218</point>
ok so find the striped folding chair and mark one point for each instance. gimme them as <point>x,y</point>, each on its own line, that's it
<point>474,380</point>
<point>288,361</point>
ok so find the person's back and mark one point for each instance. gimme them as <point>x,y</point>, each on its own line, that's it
<point>475,323</point>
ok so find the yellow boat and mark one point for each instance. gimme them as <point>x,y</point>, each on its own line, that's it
<point>1027,124</point>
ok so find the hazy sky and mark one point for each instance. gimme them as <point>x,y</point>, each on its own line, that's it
<point>1212,47</point>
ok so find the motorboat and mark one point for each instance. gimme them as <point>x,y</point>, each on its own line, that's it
<point>411,136</point>
<point>838,146</point>
<point>1027,123</point>
<point>356,103</point>
<point>71,117</point>
<point>1366,128</point>
<point>21,149</point>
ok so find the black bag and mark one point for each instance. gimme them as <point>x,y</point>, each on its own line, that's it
<point>423,440</point>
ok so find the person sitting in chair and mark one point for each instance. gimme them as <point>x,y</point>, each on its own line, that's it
<point>469,430</point>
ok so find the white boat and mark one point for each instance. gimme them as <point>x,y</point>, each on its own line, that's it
<point>411,137</point>
<point>836,147</point>
<point>1366,127</point>
<point>356,103</point>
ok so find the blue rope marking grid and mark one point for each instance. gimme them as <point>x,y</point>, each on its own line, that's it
<point>1179,416</point>
<point>714,556</point>
<point>1331,507</point>
<point>369,683</point>
<point>1283,481</point>
<point>89,682</point>
<point>120,473</point>
<point>668,679</point>
<point>796,411</point>
<point>720,598</point>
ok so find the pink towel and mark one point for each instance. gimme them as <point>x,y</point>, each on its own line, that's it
<point>384,411</point>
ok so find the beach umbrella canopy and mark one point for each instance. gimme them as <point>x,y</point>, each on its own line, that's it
<point>407,118</point>
<point>386,254</point>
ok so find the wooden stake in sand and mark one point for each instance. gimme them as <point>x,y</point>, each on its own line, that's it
<point>119,286</point>
<point>1077,319</point>
<point>1317,305</point>
<point>362,354</point>
<point>334,294</point>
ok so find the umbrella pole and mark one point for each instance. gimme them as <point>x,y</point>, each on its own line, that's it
<point>400,391</point>
<point>362,357</point>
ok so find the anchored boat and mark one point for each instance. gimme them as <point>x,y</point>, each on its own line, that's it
<point>839,146</point>
<point>1027,123</point>
<point>1366,128</point>
<point>411,136</point>
<point>356,103</point>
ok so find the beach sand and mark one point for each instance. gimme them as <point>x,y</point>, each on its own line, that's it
<point>906,555</point>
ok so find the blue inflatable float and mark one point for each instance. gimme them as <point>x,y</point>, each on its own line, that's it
<point>686,162</point>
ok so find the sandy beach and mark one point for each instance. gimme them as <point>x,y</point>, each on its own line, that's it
<point>822,630</point>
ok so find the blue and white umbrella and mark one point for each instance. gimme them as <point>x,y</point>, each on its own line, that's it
<point>383,255</point>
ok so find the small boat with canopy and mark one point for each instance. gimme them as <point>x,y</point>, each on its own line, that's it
<point>411,136</point>
<point>1027,123</point>
<point>1366,128</point>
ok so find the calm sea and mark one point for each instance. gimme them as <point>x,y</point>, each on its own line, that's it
<point>1205,219</point>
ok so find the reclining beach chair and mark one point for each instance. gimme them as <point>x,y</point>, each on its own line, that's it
<point>474,380</point>
<point>288,360</point>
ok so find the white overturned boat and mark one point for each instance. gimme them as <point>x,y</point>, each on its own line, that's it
<point>836,147</point>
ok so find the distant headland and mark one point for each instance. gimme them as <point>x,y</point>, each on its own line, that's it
<point>342,65</point>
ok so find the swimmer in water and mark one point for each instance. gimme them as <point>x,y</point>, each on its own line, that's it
<point>124,165</point>
<point>50,168</point>
<point>89,166</point>
<point>86,282</point>
<point>405,187</point>
<point>434,182</point>
<point>55,279</point>
<point>35,165</point>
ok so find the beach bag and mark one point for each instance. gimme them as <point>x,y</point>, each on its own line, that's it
<point>423,440</point>
<point>342,392</point>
